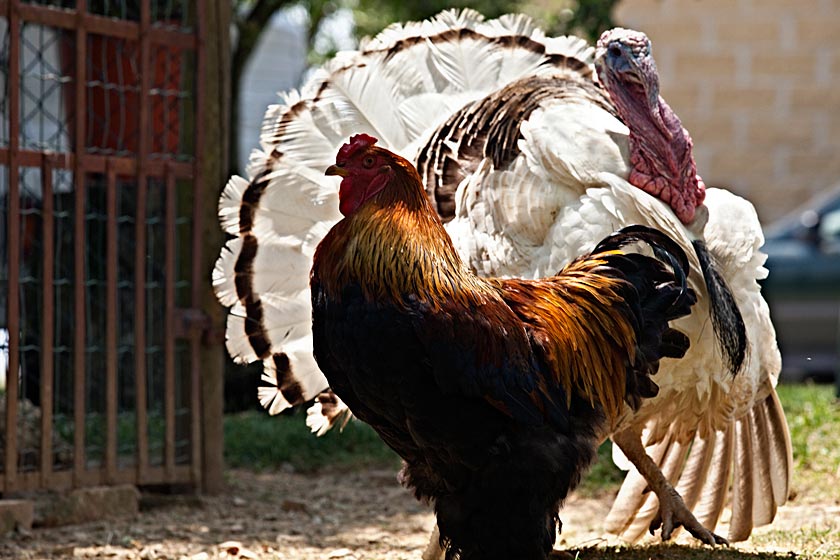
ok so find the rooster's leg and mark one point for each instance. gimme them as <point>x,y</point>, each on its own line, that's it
<point>433,549</point>
<point>672,509</point>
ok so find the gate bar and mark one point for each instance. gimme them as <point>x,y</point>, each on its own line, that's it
<point>140,252</point>
<point>169,324</point>
<point>13,224</point>
<point>50,16</point>
<point>111,324</point>
<point>48,320</point>
<point>197,277</point>
<point>79,310</point>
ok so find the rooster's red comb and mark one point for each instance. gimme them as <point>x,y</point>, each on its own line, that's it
<point>357,143</point>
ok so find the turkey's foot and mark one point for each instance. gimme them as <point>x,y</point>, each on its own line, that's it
<point>673,513</point>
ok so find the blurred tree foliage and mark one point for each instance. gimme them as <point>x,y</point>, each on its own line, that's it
<point>583,17</point>
<point>251,18</point>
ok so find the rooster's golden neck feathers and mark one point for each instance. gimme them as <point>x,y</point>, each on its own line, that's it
<point>392,244</point>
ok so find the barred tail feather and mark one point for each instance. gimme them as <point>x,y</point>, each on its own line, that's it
<point>327,411</point>
<point>715,488</point>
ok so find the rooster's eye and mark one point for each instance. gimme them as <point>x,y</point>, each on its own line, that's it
<point>368,162</point>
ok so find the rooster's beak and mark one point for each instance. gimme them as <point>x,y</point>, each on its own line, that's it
<point>336,170</point>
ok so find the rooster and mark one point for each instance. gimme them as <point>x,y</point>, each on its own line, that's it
<point>529,157</point>
<point>496,393</point>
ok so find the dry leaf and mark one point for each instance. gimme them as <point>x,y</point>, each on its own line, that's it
<point>230,548</point>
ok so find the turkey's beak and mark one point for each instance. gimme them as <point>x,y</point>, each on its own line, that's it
<point>336,170</point>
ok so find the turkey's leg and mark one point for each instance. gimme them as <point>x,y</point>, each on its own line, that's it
<point>672,509</point>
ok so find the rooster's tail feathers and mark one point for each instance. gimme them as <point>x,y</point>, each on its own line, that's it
<point>656,295</point>
<point>665,249</point>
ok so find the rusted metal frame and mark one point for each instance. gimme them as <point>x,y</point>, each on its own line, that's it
<point>140,250</point>
<point>130,166</point>
<point>48,16</point>
<point>169,324</point>
<point>111,325</point>
<point>110,27</point>
<point>163,36</point>
<point>69,19</point>
<point>197,274</point>
<point>13,223</point>
<point>64,480</point>
<point>93,163</point>
<point>101,25</point>
<point>79,310</point>
<point>48,319</point>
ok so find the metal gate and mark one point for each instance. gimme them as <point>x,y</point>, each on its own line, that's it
<point>100,149</point>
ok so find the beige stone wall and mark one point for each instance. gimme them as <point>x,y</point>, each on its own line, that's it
<point>757,84</point>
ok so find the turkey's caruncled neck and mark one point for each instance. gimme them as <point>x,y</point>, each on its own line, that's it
<point>661,159</point>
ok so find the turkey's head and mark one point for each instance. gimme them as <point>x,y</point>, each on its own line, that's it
<point>661,160</point>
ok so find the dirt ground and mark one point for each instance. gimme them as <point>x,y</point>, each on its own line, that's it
<point>286,515</point>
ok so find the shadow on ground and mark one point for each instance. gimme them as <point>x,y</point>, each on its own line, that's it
<point>363,515</point>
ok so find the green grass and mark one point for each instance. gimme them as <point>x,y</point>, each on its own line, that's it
<point>813,414</point>
<point>809,542</point>
<point>96,434</point>
<point>603,476</point>
<point>259,441</point>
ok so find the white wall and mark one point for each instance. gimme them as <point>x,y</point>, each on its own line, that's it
<point>277,64</point>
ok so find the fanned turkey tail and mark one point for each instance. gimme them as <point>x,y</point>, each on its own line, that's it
<point>748,466</point>
<point>399,86</point>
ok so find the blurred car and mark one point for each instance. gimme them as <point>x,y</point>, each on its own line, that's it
<point>803,288</point>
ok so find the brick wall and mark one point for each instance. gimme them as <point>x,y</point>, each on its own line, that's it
<point>757,84</point>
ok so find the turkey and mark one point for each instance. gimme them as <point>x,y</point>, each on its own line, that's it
<point>531,148</point>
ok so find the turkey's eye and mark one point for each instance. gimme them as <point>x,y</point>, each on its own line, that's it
<point>368,162</point>
<point>615,50</point>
